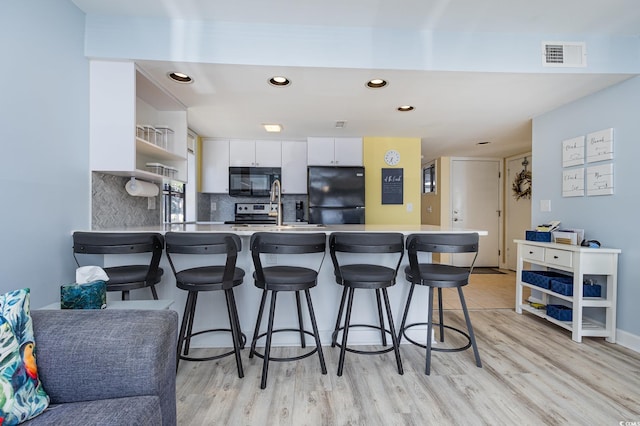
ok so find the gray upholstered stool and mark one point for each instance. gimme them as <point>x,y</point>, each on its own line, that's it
<point>434,275</point>
<point>127,277</point>
<point>212,276</point>
<point>285,278</point>
<point>366,276</point>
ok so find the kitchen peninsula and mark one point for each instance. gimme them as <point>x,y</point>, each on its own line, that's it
<point>326,295</point>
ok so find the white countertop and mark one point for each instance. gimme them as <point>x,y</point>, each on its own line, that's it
<point>327,229</point>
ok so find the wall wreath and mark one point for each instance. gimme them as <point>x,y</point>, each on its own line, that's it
<point>522,185</point>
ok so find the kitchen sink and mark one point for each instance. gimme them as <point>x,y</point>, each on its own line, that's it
<point>272,227</point>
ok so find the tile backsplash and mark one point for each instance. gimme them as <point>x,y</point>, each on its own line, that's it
<point>221,207</point>
<point>113,207</point>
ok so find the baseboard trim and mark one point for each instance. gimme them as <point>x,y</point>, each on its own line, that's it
<point>628,340</point>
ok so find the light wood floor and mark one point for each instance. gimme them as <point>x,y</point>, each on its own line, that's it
<point>533,373</point>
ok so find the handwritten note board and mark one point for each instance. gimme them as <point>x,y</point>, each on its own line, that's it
<point>596,180</point>
<point>392,186</point>
<point>573,151</point>
<point>573,182</point>
<point>600,146</point>
<point>600,180</point>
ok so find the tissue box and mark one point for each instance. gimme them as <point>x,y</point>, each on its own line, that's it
<point>91,295</point>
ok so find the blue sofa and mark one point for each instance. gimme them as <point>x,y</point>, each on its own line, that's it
<point>115,367</point>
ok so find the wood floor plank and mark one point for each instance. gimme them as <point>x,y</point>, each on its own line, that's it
<point>533,373</point>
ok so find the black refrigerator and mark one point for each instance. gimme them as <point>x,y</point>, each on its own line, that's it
<point>336,194</point>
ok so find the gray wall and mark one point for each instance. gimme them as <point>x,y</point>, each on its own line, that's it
<point>609,219</point>
<point>44,116</point>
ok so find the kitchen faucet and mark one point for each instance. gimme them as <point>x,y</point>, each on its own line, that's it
<point>276,193</point>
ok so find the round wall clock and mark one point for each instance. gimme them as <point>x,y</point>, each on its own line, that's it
<point>392,157</point>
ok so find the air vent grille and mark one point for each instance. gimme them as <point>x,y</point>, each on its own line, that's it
<point>561,54</point>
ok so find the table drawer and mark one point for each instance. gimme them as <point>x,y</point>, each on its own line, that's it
<point>532,252</point>
<point>558,257</point>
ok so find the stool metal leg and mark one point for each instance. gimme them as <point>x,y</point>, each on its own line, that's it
<point>256,331</point>
<point>303,343</point>
<point>154,293</point>
<point>440,315</point>
<point>334,336</point>
<point>267,348</point>
<point>472,336</point>
<point>183,327</point>
<point>427,369</point>
<point>345,332</point>
<point>235,332</point>
<point>383,334</point>
<point>316,335</point>
<point>192,314</point>
<point>394,339</point>
<point>237,319</point>
<point>406,312</point>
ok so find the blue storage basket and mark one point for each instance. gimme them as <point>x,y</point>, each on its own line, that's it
<point>560,312</point>
<point>544,237</point>
<point>566,287</point>
<point>543,278</point>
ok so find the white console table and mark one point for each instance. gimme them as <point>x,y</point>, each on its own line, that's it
<point>580,262</point>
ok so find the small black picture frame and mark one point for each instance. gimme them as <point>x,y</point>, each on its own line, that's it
<point>392,186</point>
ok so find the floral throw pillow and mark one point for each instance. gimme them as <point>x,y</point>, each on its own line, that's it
<point>21,394</point>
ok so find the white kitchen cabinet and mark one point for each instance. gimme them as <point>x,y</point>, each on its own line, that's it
<point>254,153</point>
<point>323,151</point>
<point>122,98</point>
<point>579,262</point>
<point>294,167</point>
<point>215,165</point>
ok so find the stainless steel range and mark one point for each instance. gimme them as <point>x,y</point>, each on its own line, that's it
<point>253,213</point>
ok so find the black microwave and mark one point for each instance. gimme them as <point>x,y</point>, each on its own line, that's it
<point>252,181</point>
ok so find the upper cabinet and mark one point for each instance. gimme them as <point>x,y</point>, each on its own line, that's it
<point>254,153</point>
<point>294,167</point>
<point>334,151</point>
<point>215,165</point>
<point>135,127</point>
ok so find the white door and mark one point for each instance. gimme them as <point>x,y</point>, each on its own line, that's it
<point>475,204</point>
<point>518,211</point>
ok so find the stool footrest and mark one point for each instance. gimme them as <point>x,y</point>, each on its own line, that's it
<point>295,358</point>
<point>243,341</point>
<point>334,340</point>
<point>459,349</point>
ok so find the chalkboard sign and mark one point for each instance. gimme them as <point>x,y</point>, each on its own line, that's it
<point>392,186</point>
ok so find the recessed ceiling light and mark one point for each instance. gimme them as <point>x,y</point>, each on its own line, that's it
<point>272,128</point>
<point>180,77</point>
<point>279,81</point>
<point>376,83</point>
<point>483,143</point>
<point>405,108</point>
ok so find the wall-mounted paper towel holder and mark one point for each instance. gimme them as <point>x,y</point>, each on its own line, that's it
<point>139,188</point>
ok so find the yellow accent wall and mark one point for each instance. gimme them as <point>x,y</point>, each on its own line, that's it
<point>376,213</point>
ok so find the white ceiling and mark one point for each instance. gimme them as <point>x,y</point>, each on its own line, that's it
<point>454,110</point>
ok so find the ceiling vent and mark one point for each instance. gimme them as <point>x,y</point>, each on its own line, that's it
<point>563,54</point>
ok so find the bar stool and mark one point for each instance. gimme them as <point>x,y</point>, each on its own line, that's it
<point>368,277</point>
<point>214,276</point>
<point>275,279</point>
<point>127,277</point>
<point>434,275</point>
